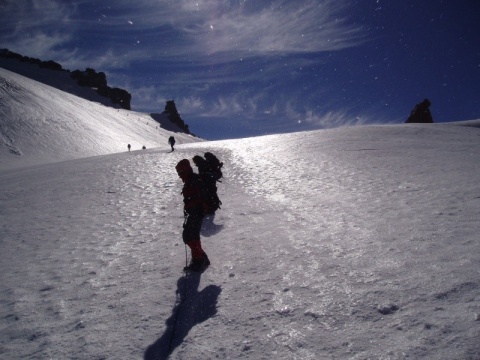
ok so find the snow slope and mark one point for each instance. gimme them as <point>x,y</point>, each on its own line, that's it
<point>58,79</point>
<point>41,124</point>
<point>353,243</point>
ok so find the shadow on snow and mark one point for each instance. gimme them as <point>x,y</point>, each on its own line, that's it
<point>192,307</point>
<point>209,228</point>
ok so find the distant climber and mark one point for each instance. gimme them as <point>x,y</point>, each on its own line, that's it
<point>129,146</point>
<point>421,113</point>
<point>171,141</point>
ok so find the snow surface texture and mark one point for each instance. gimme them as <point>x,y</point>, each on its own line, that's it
<point>353,243</point>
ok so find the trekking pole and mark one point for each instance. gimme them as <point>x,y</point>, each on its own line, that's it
<point>186,256</point>
<point>184,222</point>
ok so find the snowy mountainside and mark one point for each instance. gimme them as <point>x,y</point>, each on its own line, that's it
<point>41,124</point>
<point>352,243</point>
<point>59,79</point>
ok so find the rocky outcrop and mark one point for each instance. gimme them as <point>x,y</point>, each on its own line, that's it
<point>172,114</point>
<point>421,113</point>
<point>88,78</point>
<point>98,81</point>
<point>52,65</point>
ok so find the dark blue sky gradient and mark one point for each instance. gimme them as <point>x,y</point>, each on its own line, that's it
<point>245,68</point>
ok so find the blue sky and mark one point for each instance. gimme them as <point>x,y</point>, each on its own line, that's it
<point>251,67</point>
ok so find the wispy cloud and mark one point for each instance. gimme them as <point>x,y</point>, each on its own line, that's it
<point>257,107</point>
<point>231,30</point>
<point>288,113</point>
<point>35,23</point>
<point>228,29</point>
<point>267,27</point>
<point>26,17</point>
<point>233,105</point>
<point>41,45</point>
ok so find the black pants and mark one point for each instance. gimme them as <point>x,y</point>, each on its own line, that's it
<point>192,226</point>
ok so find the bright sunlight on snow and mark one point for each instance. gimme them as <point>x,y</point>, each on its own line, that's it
<point>352,243</point>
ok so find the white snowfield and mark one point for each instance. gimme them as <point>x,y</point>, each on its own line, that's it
<point>353,243</point>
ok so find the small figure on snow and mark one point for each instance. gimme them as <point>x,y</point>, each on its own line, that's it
<point>421,113</point>
<point>129,146</point>
<point>171,141</point>
<point>194,210</point>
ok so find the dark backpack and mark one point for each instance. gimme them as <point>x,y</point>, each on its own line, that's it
<point>214,166</point>
<point>208,192</point>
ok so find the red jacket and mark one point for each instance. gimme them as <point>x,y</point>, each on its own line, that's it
<point>193,198</point>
